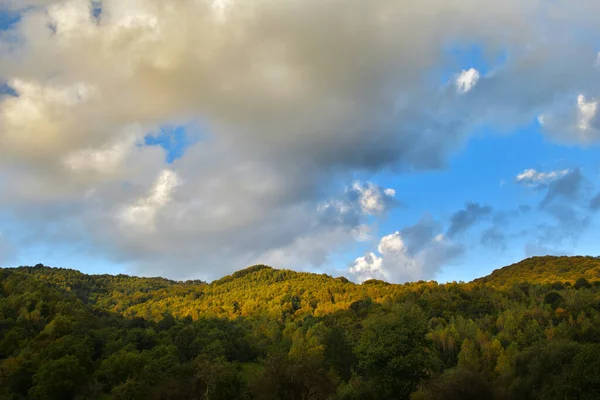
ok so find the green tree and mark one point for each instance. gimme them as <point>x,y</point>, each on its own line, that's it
<point>300,378</point>
<point>456,384</point>
<point>392,353</point>
<point>58,379</point>
<point>338,352</point>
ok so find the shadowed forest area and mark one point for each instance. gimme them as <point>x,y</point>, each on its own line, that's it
<point>527,331</point>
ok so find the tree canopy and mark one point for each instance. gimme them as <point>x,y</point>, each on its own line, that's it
<point>527,331</point>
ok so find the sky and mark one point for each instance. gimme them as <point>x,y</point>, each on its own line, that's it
<point>395,140</point>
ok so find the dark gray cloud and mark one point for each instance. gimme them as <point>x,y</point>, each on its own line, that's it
<point>464,219</point>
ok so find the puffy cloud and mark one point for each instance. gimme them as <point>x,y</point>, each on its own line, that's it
<point>359,200</point>
<point>586,113</point>
<point>417,252</point>
<point>103,160</point>
<point>533,178</point>
<point>372,198</point>
<point>286,108</point>
<point>469,216</point>
<point>142,214</point>
<point>467,80</point>
<point>577,121</point>
<point>369,266</point>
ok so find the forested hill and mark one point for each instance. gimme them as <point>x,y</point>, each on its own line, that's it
<point>548,269</point>
<point>527,331</point>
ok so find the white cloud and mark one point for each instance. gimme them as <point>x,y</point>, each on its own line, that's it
<point>467,80</point>
<point>573,123</point>
<point>142,215</point>
<point>531,177</point>
<point>587,112</point>
<point>414,253</point>
<point>391,244</point>
<point>372,198</point>
<point>368,267</point>
<point>362,233</point>
<point>106,159</point>
<point>361,199</point>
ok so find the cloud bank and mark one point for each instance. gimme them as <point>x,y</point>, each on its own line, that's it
<point>285,100</point>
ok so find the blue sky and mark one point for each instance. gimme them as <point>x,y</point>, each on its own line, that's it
<point>129,146</point>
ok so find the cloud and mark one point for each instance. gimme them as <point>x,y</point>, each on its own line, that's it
<point>587,111</point>
<point>566,203</point>
<point>533,178</point>
<point>286,108</point>
<point>414,253</point>
<point>567,187</point>
<point>142,214</point>
<point>373,199</point>
<point>570,223</point>
<point>464,219</point>
<point>359,200</point>
<point>467,80</point>
<point>369,266</point>
<point>493,237</point>
<point>576,121</point>
<point>595,203</point>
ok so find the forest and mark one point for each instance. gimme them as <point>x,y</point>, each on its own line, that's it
<point>527,331</point>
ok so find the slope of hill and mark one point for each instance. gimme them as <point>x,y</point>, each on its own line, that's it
<point>548,269</point>
<point>263,333</point>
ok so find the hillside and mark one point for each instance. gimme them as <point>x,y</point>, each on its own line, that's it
<point>545,270</point>
<point>263,333</point>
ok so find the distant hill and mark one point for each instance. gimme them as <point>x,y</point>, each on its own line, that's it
<point>269,334</point>
<point>548,269</point>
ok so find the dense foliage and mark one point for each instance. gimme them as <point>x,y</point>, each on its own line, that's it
<point>528,331</point>
<point>545,270</point>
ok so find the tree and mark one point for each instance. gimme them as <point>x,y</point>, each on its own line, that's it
<point>58,379</point>
<point>554,299</point>
<point>120,367</point>
<point>456,384</point>
<point>338,352</point>
<point>580,379</point>
<point>582,283</point>
<point>300,378</point>
<point>392,353</point>
<point>218,379</point>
